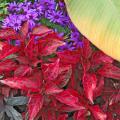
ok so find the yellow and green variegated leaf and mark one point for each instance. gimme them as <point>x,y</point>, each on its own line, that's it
<point>99,21</point>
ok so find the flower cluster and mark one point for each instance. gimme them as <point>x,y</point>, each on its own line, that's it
<point>52,10</point>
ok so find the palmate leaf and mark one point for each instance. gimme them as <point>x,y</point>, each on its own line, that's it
<point>99,21</point>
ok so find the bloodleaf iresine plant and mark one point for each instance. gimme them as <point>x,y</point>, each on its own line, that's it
<point>60,85</point>
<point>29,69</point>
<point>97,79</point>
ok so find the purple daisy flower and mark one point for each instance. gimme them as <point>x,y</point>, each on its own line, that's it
<point>67,46</point>
<point>72,27</point>
<point>32,14</point>
<point>79,44</point>
<point>13,21</point>
<point>55,16</point>
<point>48,4</point>
<point>17,43</point>
<point>61,5</point>
<point>40,10</point>
<point>12,6</point>
<point>75,36</point>
<point>6,22</point>
<point>31,23</point>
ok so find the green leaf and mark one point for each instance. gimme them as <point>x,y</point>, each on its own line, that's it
<point>3,9</point>
<point>99,21</point>
<point>59,28</point>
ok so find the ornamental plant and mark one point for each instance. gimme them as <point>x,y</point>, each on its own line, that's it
<point>59,85</point>
<point>48,70</point>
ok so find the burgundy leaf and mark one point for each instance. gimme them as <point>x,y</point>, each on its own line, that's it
<point>41,30</point>
<point>5,91</point>
<point>51,70</point>
<point>86,64</point>
<point>51,88</point>
<point>115,98</point>
<point>98,113</point>
<point>62,117</point>
<point>110,71</point>
<point>35,105</point>
<point>20,83</point>
<point>86,50</point>
<point>64,75</point>
<point>70,98</point>
<point>69,57</point>
<point>49,114</point>
<point>7,50</point>
<point>23,60</point>
<point>99,57</point>
<point>22,71</point>
<point>66,108</point>
<point>24,30</point>
<point>80,115</point>
<point>99,87</point>
<point>89,85</point>
<point>7,65</point>
<point>7,34</point>
<point>51,46</point>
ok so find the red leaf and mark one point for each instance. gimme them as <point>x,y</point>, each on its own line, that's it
<point>21,71</point>
<point>69,57</point>
<point>22,60</point>
<point>49,115</point>
<point>35,105</point>
<point>50,46</point>
<point>24,30</point>
<point>99,87</point>
<point>7,34</point>
<point>21,83</point>
<point>115,98</point>
<point>86,51</point>
<point>85,64</point>
<point>51,88</point>
<point>7,65</point>
<point>43,47</point>
<point>110,71</point>
<point>62,117</point>
<point>99,57</point>
<point>5,91</point>
<point>64,75</point>
<point>89,85</point>
<point>51,70</point>
<point>69,97</point>
<point>98,113</point>
<point>80,115</point>
<point>41,30</point>
<point>7,50</point>
<point>66,108</point>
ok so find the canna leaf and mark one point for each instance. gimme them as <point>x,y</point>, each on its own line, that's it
<point>99,21</point>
